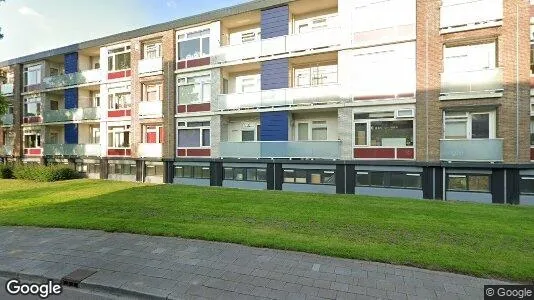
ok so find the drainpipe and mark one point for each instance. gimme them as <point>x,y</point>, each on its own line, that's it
<point>426,87</point>
<point>517,85</point>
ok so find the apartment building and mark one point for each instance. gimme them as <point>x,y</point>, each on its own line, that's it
<point>422,99</point>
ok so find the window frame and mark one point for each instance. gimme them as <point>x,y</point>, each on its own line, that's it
<point>245,172</point>
<point>387,179</point>
<point>306,174</point>
<point>34,68</point>
<point>468,116</point>
<point>158,49</point>
<point>317,73</point>
<point>183,36</point>
<point>467,178</point>
<point>114,103</point>
<point>185,125</point>
<point>188,80</point>
<point>151,87</point>
<point>113,53</point>
<point>120,130</point>
<point>394,117</point>
<point>193,172</point>
<point>38,140</point>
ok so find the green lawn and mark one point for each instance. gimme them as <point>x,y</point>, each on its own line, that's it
<point>483,240</point>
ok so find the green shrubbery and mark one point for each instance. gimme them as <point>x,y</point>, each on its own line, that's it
<point>37,172</point>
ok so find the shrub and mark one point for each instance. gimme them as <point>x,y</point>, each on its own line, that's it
<point>6,172</point>
<point>44,173</point>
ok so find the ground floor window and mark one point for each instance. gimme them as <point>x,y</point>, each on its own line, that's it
<point>469,125</point>
<point>87,167</point>
<point>198,172</point>
<point>119,136</point>
<point>468,182</point>
<point>321,177</point>
<point>526,185</point>
<point>154,170</point>
<point>245,174</point>
<point>383,129</point>
<point>194,134</point>
<point>389,179</point>
<point>32,140</point>
<point>122,169</point>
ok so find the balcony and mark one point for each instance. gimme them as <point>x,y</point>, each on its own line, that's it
<point>71,150</point>
<point>72,79</point>
<point>151,65</point>
<point>472,150</point>
<point>149,150</point>
<point>7,88</point>
<point>76,114</point>
<point>289,149</point>
<point>477,13</point>
<point>6,150</point>
<point>281,97</point>
<point>472,84</point>
<point>6,119</point>
<point>150,108</point>
<point>317,39</point>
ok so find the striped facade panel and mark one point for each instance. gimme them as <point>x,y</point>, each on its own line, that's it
<point>71,63</point>
<point>274,126</point>
<point>71,133</point>
<point>275,22</point>
<point>275,74</point>
<point>71,98</point>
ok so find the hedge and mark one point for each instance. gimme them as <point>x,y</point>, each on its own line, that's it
<point>43,173</point>
<point>6,172</point>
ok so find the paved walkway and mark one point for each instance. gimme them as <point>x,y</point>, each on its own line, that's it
<point>177,268</point>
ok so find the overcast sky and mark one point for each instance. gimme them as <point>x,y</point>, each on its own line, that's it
<point>31,26</point>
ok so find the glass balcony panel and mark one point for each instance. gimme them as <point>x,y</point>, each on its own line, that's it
<point>472,150</point>
<point>314,39</point>
<point>83,77</point>
<point>76,114</point>
<point>150,108</point>
<point>283,149</point>
<point>149,150</point>
<point>71,149</point>
<point>472,82</point>
<point>151,65</point>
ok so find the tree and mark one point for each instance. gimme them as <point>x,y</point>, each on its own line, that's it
<point>1,35</point>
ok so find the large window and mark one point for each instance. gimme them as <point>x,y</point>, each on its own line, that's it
<point>152,134</point>
<point>312,131</point>
<point>194,134</point>
<point>32,140</point>
<point>92,168</point>
<point>315,75</point>
<point>245,174</point>
<point>320,177</point>
<point>470,57</point>
<point>94,130</point>
<point>32,107</point>
<point>468,182</point>
<point>194,89</point>
<point>152,50</point>
<point>119,59</point>
<point>384,129</point>
<point>154,170</point>
<point>469,125</point>
<point>119,136</point>
<point>527,185</point>
<point>389,179</point>
<point>32,75</point>
<point>194,44</point>
<point>152,92</point>
<point>122,169</point>
<point>119,98</point>
<point>198,172</point>
<point>315,23</point>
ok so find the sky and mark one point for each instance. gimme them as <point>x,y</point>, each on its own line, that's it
<point>31,26</point>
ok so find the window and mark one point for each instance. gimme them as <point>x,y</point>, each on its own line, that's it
<point>119,98</point>
<point>320,177</point>
<point>250,36</point>
<point>246,174</point>
<point>198,172</point>
<point>469,125</point>
<point>248,83</point>
<point>383,129</point>
<point>470,57</point>
<point>154,170</point>
<point>193,45</point>
<point>193,134</point>
<point>95,134</point>
<point>54,105</point>
<point>315,75</point>
<point>93,168</point>
<point>531,59</point>
<point>152,50</point>
<point>119,136</point>
<point>317,130</point>
<point>96,100</point>
<point>54,138</point>
<point>468,182</point>
<point>119,59</point>
<point>194,89</point>
<point>81,167</point>
<point>32,140</point>
<point>122,169</point>
<point>32,75</point>
<point>153,134</point>
<point>152,92</point>
<point>315,23</point>
<point>526,185</point>
<point>389,179</point>
<point>532,131</point>
<point>248,135</point>
<point>32,107</point>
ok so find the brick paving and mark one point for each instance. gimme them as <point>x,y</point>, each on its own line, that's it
<point>175,268</point>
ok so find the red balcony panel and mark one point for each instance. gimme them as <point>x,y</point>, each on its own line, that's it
<point>531,153</point>
<point>531,81</point>
<point>128,152</point>
<point>119,152</point>
<point>36,119</point>
<point>119,113</point>
<point>33,151</point>
<point>119,74</point>
<point>128,113</point>
<point>199,107</point>
<point>128,73</point>
<point>181,152</point>
<point>181,65</point>
<point>193,63</point>
<point>405,153</point>
<point>182,108</point>
<point>199,152</point>
<point>374,153</point>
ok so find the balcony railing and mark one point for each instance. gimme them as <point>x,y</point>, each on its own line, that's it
<point>317,39</point>
<point>472,150</point>
<point>289,149</point>
<point>150,108</point>
<point>149,150</point>
<point>151,65</point>
<point>71,150</point>
<point>471,12</point>
<point>6,150</point>
<point>83,77</point>
<point>472,82</point>
<point>7,88</point>
<point>6,119</point>
<point>75,114</point>
<point>281,97</point>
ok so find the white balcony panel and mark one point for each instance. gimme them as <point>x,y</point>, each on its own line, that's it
<point>314,94</point>
<point>71,149</point>
<point>314,39</point>
<point>282,149</point>
<point>472,150</point>
<point>462,13</point>
<point>273,46</point>
<point>6,150</point>
<point>472,82</point>
<point>151,65</point>
<point>6,88</point>
<point>239,52</point>
<point>384,35</point>
<point>150,108</point>
<point>149,150</point>
<point>240,101</point>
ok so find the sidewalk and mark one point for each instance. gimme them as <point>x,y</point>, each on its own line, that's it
<point>174,268</point>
